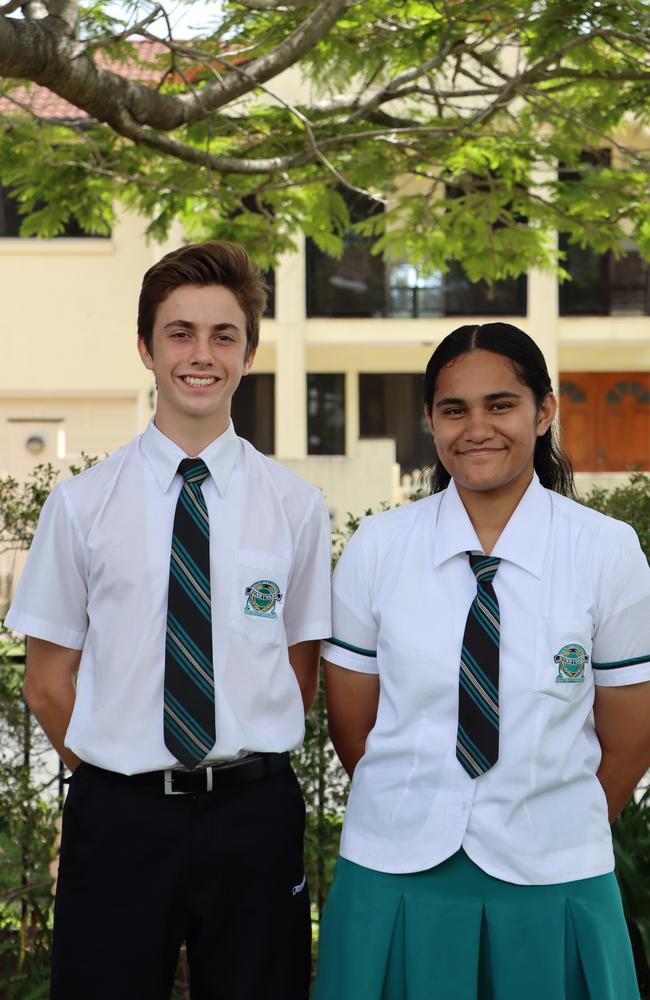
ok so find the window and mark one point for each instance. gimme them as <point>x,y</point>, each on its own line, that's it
<point>11,218</point>
<point>326,414</point>
<point>507,297</point>
<point>412,295</point>
<point>353,285</point>
<point>452,294</point>
<point>253,411</point>
<point>602,285</point>
<point>392,406</point>
<point>360,284</point>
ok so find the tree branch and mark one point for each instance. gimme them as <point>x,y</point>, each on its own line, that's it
<point>35,10</point>
<point>120,36</point>
<point>66,11</point>
<point>287,53</point>
<point>275,4</point>
<point>38,52</point>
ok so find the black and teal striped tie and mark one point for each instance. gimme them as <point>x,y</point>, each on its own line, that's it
<point>189,679</point>
<point>477,741</point>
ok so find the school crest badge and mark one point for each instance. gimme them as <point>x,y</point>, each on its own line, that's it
<point>261,599</point>
<point>571,661</point>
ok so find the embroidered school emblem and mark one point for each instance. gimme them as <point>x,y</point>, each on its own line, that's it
<point>261,599</point>
<point>571,662</point>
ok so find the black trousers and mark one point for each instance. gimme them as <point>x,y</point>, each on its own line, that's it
<point>141,872</point>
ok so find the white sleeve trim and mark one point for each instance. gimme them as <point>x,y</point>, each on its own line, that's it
<point>634,671</point>
<point>40,629</point>
<point>351,660</point>
<point>313,630</point>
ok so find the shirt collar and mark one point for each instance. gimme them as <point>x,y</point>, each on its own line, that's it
<point>522,541</point>
<point>164,456</point>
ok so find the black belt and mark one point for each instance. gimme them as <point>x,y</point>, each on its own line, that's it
<point>177,781</point>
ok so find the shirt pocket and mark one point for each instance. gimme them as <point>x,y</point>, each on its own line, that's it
<point>258,595</point>
<point>563,657</point>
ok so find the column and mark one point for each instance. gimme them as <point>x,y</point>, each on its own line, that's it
<point>291,356</point>
<point>351,412</point>
<point>543,313</point>
<point>544,305</point>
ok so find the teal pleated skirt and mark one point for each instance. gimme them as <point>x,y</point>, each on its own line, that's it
<point>455,933</point>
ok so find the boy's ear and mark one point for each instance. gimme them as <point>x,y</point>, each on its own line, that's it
<point>248,363</point>
<point>143,351</point>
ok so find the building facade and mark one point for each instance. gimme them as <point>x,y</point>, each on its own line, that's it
<point>336,388</point>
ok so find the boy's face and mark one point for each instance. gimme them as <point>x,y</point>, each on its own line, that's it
<point>198,356</point>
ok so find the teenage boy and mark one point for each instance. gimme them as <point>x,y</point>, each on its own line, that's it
<point>174,598</point>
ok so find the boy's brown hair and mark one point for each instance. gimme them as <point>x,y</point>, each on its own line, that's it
<point>211,263</point>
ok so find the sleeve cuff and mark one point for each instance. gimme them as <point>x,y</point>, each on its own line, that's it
<point>40,629</point>
<point>634,670</point>
<point>352,657</point>
<point>315,630</point>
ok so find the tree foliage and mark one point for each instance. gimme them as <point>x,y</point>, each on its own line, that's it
<point>30,797</point>
<point>400,99</point>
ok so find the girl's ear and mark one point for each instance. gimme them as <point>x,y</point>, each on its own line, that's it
<point>427,417</point>
<point>546,414</point>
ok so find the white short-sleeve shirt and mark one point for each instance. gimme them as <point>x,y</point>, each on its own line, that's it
<point>97,578</point>
<point>568,576</point>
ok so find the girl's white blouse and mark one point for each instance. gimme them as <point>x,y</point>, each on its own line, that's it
<point>401,592</point>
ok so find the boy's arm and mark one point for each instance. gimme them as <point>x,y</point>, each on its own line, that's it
<point>304,658</point>
<point>50,692</point>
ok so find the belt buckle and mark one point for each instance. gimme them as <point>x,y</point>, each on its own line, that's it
<point>169,783</point>
<point>169,787</point>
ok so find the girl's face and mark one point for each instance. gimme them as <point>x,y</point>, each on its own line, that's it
<point>485,423</point>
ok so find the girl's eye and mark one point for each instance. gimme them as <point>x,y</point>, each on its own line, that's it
<point>501,406</point>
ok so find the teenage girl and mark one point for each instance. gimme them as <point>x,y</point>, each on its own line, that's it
<point>488,688</point>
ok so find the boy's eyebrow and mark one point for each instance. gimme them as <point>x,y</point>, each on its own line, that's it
<point>188,325</point>
<point>490,397</point>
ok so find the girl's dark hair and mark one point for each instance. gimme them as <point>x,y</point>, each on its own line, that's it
<point>552,465</point>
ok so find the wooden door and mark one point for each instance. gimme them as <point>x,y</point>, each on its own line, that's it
<point>605,420</point>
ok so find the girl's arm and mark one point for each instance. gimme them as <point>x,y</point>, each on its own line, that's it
<point>352,699</point>
<point>622,718</point>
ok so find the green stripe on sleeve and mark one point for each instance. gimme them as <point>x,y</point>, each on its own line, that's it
<point>622,663</point>
<point>353,649</point>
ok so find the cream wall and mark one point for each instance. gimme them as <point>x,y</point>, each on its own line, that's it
<point>70,372</point>
<point>68,330</point>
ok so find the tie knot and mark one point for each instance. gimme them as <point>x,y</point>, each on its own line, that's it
<point>193,470</point>
<point>484,568</point>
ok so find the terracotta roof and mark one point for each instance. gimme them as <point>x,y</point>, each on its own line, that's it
<point>45,104</point>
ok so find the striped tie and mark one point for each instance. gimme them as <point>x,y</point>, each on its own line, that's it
<point>189,681</point>
<point>477,742</point>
